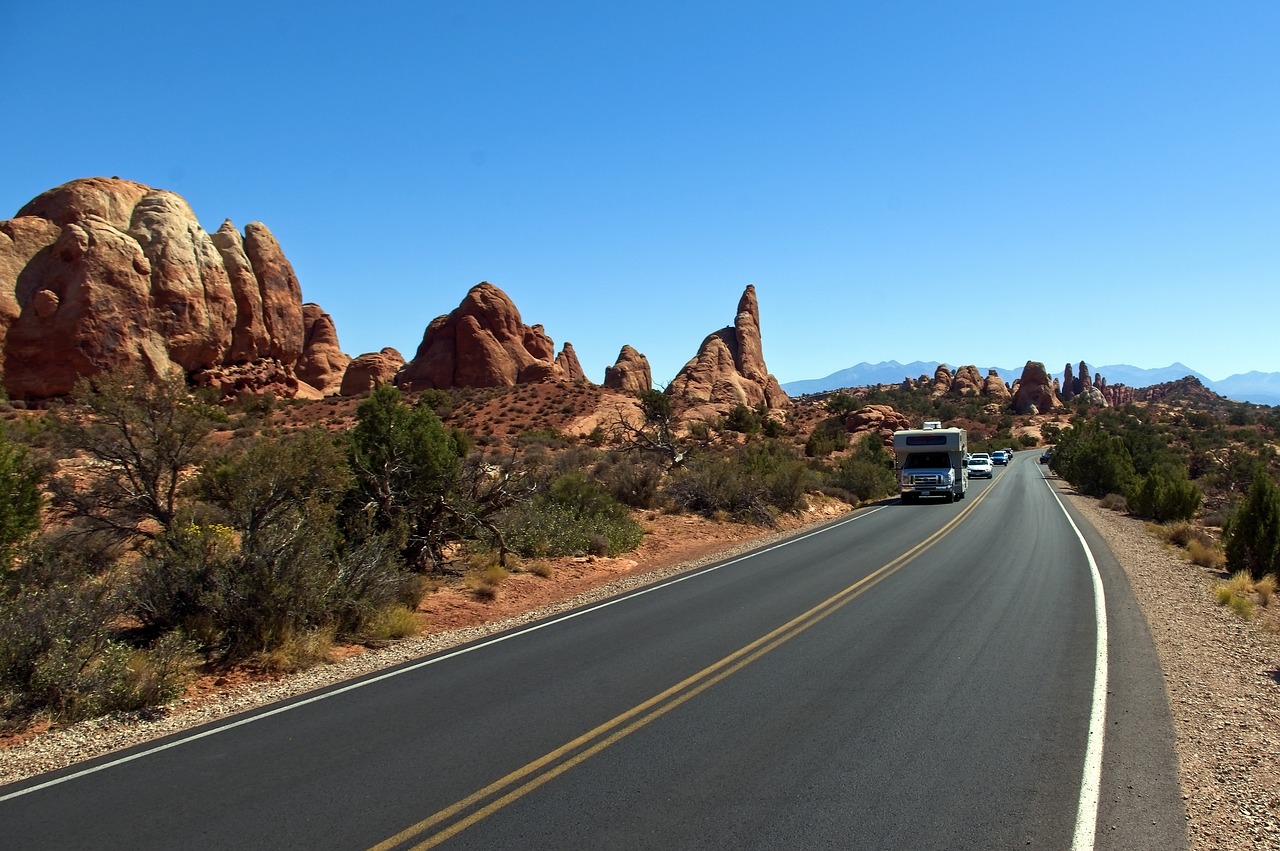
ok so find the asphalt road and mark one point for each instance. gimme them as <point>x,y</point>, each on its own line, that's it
<point>912,677</point>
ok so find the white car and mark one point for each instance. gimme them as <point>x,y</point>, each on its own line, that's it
<point>980,466</point>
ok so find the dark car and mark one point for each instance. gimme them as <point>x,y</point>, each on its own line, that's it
<point>1000,457</point>
<point>1046,456</point>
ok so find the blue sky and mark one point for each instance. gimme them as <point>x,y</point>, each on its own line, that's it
<point>983,183</point>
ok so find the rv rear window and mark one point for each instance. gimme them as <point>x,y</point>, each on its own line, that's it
<point>926,440</point>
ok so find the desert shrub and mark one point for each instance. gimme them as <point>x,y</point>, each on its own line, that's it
<point>144,433</point>
<point>751,485</point>
<point>1114,502</point>
<point>242,596</point>
<point>1236,593</point>
<point>60,654</point>
<point>574,516</point>
<point>1252,534</point>
<point>484,583</point>
<point>827,438</point>
<point>1206,555</point>
<point>633,479</point>
<point>1165,494</point>
<point>841,404</point>
<point>867,474</point>
<point>1093,461</point>
<point>20,498</point>
<point>545,437</point>
<point>1265,588</point>
<point>742,420</point>
<point>406,465</point>
<point>865,480</point>
<point>1181,534</point>
<point>391,623</point>
<point>272,477</point>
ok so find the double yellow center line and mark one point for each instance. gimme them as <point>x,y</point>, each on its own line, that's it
<point>483,803</point>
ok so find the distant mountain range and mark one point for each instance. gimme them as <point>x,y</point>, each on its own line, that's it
<point>1260,388</point>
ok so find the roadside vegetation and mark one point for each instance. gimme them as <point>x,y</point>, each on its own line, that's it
<point>1207,479</point>
<point>152,535</point>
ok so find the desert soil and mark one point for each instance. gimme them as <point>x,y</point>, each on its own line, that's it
<point>1221,672</point>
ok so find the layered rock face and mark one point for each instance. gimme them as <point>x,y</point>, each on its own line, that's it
<point>630,373</point>
<point>729,368</point>
<point>484,343</point>
<point>1035,393</point>
<point>105,274</point>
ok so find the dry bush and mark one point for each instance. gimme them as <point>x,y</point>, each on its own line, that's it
<point>484,583</point>
<point>1206,555</point>
<point>1114,502</point>
<point>1265,588</point>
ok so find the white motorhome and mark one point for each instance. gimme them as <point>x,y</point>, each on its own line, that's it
<point>930,461</point>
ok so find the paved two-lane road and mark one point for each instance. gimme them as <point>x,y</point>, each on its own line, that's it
<point>911,677</point>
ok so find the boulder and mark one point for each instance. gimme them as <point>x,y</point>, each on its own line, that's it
<point>369,370</point>
<point>630,373</point>
<point>729,368</point>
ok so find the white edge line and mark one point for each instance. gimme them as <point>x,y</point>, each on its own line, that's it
<point>212,731</point>
<point>1091,776</point>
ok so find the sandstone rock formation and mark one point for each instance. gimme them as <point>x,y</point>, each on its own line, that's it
<point>567,360</point>
<point>729,368</point>
<point>102,273</point>
<point>630,373</point>
<point>994,388</point>
<point>483,343</point>
<point>1067,390</point>
<point>941,381</point>
<point>367,371</point>
<point>881,419</point>
<point>1083,381</point>
<point>322,364</point>
<point>967,381</point>
<point>1035,391</point>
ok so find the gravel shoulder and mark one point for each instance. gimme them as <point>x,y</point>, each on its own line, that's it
<point>1222,676</point>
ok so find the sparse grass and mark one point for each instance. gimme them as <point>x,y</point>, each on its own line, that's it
<point>1237,593</point>
<point>484,583</point>
<point>541,568</point>
<point>297,652</point>
<point>392,623</point>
